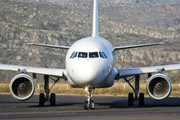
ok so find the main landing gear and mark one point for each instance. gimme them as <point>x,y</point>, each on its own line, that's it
<point>89,103</point>
<point>42,97</point>
<point>131,99</point>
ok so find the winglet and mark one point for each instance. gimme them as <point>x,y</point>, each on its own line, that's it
<point>95,20</point>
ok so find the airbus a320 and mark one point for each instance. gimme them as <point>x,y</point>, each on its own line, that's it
<point>89,65</point>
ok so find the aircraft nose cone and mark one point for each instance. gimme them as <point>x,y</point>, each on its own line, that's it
<point>87,72</point>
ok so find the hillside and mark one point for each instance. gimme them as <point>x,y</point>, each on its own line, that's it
<point>114,1</point>
<point>146,1</point>
<point>23,22</point>
<point>158,16</point>
<point>151,13</point>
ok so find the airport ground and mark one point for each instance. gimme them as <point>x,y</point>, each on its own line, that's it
<point>71,107</point>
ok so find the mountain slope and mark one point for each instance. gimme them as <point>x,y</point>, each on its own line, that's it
<point>22,22</point>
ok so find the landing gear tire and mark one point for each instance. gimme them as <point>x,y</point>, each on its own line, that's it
<point>85,105</point>
<point>41,99</point>
<point>92,105</point>
<point>52,99</point>
<point>130,99</point>
<point>141,99</point>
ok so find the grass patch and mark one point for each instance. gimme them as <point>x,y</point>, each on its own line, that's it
<point>4,87</point>
<point>116,89</point>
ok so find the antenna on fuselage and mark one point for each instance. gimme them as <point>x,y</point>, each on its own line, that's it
<point>95,20</point>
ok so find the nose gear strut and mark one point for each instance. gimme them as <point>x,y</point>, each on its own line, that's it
<point>89,103</point>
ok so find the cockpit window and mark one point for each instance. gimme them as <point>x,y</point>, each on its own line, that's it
<point>74,54</point>
<point>82,55</point>
<point>101,55</point>
<point>93,55</point>
<point>105,55</point>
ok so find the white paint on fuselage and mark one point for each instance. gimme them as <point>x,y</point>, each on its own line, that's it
<point>89,71</point>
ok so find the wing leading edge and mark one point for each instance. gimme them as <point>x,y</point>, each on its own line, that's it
<point>144,70</point>
<point>38,70</point>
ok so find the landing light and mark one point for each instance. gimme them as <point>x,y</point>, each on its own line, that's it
<point>86,89</point>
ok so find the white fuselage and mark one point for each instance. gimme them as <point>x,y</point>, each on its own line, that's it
<point>89,61</point>
<point>95,69</point>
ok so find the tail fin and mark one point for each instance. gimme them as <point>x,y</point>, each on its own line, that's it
<point>95,20</point>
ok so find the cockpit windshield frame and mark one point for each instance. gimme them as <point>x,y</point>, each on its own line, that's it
<point>88,55</point>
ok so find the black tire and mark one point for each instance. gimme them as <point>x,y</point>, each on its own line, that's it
<point>85,105</point>
<point>41,99</point>
<point>92,105</point>
<point>141,99</point>
<point>130,99</point>
<point>52,99</point>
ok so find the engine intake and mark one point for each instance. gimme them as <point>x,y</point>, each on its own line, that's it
<point>22,87</point>
<point>159,86</point>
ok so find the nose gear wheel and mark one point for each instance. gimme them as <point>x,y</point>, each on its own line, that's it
<point>89,103</point>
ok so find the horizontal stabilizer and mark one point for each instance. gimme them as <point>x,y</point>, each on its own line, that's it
<point>48,45</point>
<point>135,46</point>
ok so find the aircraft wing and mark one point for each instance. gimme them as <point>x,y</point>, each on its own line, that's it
<point>135,46</point>
<point>51,46</point>
<point>144,70</point>
<point>38,70</point>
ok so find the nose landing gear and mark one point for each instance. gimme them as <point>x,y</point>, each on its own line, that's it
<point>89,103</point>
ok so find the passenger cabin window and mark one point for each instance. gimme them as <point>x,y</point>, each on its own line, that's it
<point>93,55</point>
<point>82,55</point>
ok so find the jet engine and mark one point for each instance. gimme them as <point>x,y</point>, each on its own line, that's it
<point>22,87</point>
<point>159,86</point>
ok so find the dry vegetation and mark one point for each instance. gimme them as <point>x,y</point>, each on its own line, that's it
<point>116,89</point>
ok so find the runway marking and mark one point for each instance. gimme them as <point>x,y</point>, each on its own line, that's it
<point>100,112</point>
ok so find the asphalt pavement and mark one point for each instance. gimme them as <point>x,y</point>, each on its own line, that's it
<point>70,107</point>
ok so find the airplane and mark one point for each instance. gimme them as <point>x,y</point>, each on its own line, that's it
<point>89,65</point>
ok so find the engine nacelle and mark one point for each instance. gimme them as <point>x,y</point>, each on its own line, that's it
<point>22,87</point>
<point>159,86</point>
